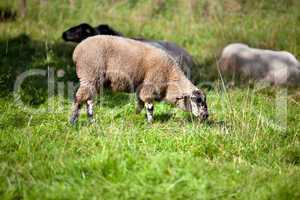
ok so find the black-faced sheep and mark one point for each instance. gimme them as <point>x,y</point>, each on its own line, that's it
<point>275,67</point>
<point>83,31</point>
<point>132,66</point>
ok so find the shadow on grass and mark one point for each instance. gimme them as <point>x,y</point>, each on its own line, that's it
<point>113,99</point>
<point>21,54</point>
<point>163,117</point>
<point>220,124</point>
<point>209,122</point>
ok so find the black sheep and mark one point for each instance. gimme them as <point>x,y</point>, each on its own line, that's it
<point>84,30</point>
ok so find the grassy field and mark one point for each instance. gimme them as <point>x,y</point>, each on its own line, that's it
<point>249,148</point>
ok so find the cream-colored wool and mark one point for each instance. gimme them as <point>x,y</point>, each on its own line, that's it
<point>131,66</point>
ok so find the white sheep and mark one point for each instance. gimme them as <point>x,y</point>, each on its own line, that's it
<point>275,67</point>
<point>132,66</point>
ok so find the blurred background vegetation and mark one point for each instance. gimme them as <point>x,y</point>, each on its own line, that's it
<point>31,35</point>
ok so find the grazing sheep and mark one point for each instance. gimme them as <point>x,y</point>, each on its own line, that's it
<point>132,66</point>
<point>275,67</point>
<point>83,31</point>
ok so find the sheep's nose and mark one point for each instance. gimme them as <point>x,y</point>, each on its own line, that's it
<point>204,115</point>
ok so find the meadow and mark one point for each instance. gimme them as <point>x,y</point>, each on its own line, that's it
<point>248,149</point>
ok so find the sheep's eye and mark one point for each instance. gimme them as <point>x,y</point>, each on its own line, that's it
<point>199,100</point>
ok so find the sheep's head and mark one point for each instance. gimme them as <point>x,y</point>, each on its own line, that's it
<point>195,103</point>
<point>78,33</point>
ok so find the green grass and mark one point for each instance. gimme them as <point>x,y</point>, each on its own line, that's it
<point>241,153</point>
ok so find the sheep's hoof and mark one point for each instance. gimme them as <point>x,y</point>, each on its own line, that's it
<point>150,120</point>
<point>73,121</point>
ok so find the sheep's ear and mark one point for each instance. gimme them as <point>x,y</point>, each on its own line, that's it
<point>186,97</point>
<point>187,102</point>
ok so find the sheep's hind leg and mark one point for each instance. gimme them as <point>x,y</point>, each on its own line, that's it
<point>84,94</point>
<point>75,113</point>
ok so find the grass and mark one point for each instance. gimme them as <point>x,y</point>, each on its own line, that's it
<point>243,152</point>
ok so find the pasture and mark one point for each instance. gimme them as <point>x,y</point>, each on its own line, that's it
<point>249,148</point>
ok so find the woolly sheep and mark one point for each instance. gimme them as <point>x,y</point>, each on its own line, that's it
<point>275,67</point>
<point>132,66</point>
<point>83,31</point>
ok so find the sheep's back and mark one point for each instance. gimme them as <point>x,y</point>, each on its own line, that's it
<point>124,61</point>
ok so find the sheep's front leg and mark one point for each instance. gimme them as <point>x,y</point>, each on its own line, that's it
<point>89,109</point>
<point>149,110</point>
<point>147,96</point>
